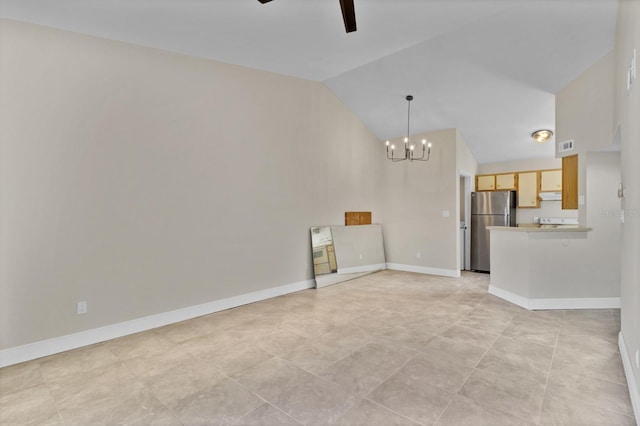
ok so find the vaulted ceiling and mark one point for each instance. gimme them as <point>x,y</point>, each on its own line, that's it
<point>487,67</point>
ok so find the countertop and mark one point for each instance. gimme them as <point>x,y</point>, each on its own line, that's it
<point>530,229</point>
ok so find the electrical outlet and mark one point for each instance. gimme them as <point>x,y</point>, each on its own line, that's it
<point>81,307</point>
<point>637,358</point>
<point>360,255</point>
<point>418,255</point>
<point>445,213</point>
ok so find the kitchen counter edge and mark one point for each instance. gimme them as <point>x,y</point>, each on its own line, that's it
<point>527,229</point>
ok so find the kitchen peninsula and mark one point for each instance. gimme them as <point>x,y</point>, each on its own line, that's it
<point>548,268</point>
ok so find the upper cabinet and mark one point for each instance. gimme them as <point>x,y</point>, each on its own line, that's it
<point>528,190</point>
<point>506,181</point>
<point>551,180</point>
<point>485,183</point>
<point>570,182</point>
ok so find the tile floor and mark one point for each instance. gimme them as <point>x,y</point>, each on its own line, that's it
<point>392,348</point>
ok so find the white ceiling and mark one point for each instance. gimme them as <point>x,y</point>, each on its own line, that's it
<point>487,67</point>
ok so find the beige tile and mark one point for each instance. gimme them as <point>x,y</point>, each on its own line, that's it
<point>93,384</point>
<point>266,415</point>
<point>557,411</point>
<point>409,338</point>
<point>271,377</point>
<point>31,406</point>
<point>548,317</point>
<point>465,412</point>
<point>312,328</point>
<point>535,333</point>
<point>515,358</point>
<point>135,406</point>
<point>482,322</point>
<point>367,413</point>
<point>140,344</point>
<point>156,364</point>
<point>179,382</point>
<point>412,398</point>
<point>382,353</point>
<point>107,395</point>
<point>600,365</point>
<point>371,324</point>
<point>495,303</point>
<point>346,337</point>
<point>313,356</point>
<point>279,342</point>
<point>588,314</point>
<point>521,397</point>
<point>577,390</point>
<point>608,331</point>
<point>431,323</point>
<point>471,335</point>
<point>186,330</point>
<point>467,354</point>
<point>315,401</point>
<point>442,372</point>
<point>239,357</point>
<point>20,376</point>
<point>356,376</point>
<point>223,403</point>
<point>75,361</point>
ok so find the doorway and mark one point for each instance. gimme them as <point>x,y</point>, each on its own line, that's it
<point>464,214</point>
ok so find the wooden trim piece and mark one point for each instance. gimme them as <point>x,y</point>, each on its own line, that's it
<point>357,218</point>
<point>570,182</point>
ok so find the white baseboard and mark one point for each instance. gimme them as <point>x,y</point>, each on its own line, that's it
<point>634,392</point>
<point>560,303</point>
<point>364,268</point>
<point>424,270</point>
<point>55,345</point>
<point>509,297</point>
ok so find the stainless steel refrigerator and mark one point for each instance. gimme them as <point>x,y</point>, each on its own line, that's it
<point>489,208</point>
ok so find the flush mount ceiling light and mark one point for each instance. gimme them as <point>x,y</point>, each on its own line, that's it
<point>408,147</point>
<point>542,135</point>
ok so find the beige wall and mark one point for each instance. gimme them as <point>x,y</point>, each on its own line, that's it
<point>627,111</point>
<point>547,208</point>
<point>415,196</point>
<point>144,181</point>
<point>584,113</point>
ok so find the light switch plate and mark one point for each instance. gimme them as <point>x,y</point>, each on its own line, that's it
<point>445,213</point>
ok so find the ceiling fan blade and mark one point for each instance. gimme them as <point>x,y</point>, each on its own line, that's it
<point>264,1</point>
<point>348,15</point>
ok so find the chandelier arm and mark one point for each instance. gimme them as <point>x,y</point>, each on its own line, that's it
<point>422,158</point>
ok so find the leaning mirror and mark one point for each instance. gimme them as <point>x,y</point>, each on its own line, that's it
<point>343,253</point>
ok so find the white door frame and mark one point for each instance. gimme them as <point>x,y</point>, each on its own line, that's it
<point>468,189</point>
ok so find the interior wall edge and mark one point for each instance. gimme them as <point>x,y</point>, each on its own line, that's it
<point>634,393</point>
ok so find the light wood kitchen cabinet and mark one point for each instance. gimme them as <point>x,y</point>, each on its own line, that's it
<point>506,181</point>
<point>570,182</point>
<point>528,190</point>
<point>486,183</point>
<point>551,180</point>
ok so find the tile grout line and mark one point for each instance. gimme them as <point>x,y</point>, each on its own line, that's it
<point>546,385</point>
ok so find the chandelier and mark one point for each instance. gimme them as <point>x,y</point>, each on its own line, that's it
<point>409,149</point>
